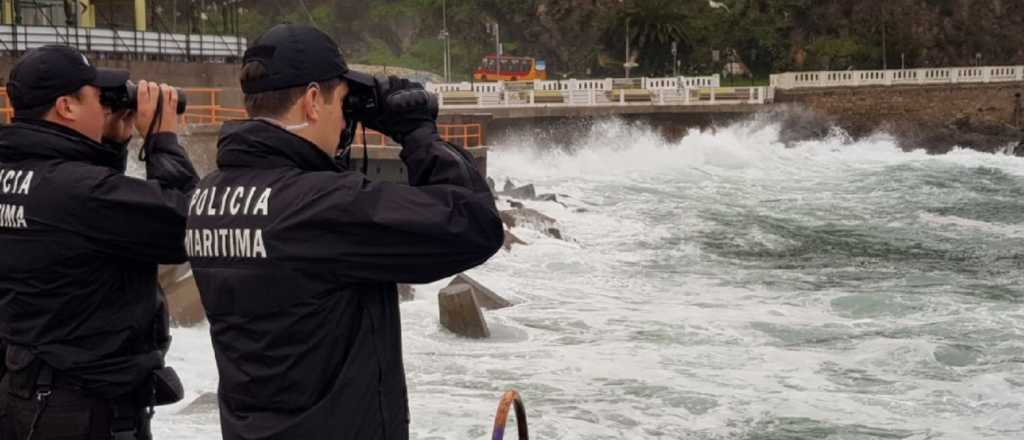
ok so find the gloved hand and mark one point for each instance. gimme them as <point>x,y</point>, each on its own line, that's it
<point>405,107</point>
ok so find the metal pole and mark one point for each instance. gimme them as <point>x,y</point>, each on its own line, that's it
<point>626,64</point>
<point>444,32</point>
<point>675,51</point>
<point>497,42</point>
<point>885,61</point>
<point>14,25</point>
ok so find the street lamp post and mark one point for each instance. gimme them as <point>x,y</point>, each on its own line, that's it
<point>629,64</point>
<point>675,65</point>
<point>445,36</point>
<point>497,43</point>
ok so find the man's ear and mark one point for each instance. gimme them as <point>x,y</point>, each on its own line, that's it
<point>312,104</point>
<point>66,108</point>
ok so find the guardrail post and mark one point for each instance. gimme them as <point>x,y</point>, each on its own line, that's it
<point>533,96</point>
<point>622,96</point>
<point>986,74</point>
<point>712,95</point>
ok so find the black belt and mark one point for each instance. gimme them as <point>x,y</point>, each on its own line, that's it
<point>38,382</point>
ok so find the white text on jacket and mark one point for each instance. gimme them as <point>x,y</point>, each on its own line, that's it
<point>227,242</point>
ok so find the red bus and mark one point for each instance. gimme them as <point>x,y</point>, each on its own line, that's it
<point>511,69</point>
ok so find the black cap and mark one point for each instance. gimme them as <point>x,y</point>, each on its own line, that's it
<point>295,55</point>
<point>49,72</point>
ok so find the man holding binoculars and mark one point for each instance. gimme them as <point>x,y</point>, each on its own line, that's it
<point>82,321</point>
<point>296,258</point>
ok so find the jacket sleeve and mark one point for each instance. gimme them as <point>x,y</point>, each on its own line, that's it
<point>138,219</point>
<point>445,222</point>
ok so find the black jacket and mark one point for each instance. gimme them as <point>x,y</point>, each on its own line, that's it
<point>296,262</point>
<point>79,248</point>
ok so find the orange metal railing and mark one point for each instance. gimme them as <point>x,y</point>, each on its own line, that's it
<point>204,109</point>
<point>6,111</point>
<point>463,135</point>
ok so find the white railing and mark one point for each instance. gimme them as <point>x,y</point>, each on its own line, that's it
<point>855,78</point>
<point>672,83</point>
<point>21,38</point>
<point>687,96</point>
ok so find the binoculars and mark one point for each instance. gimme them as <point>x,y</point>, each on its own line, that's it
<point>127,98</point>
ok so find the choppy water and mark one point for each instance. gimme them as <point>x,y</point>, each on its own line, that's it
<point>728,287</point>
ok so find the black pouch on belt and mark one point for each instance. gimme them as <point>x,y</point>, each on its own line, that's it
<point>167,387</point>
<point>23,368</point>
<point>3,355</point>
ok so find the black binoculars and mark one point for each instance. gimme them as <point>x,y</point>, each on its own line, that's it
<point>127,98</point>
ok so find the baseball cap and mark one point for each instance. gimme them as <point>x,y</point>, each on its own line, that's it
<point>49,72</point>
<point>295,55</point>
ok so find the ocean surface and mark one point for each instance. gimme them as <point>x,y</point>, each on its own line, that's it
<point>727,286</point>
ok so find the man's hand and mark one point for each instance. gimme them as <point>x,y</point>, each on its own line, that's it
<point>406,107</point>
<point>149,94</point>
<point>118,126</point>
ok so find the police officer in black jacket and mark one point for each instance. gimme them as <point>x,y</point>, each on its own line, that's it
<point>296,259</point>
<point>79,246</point>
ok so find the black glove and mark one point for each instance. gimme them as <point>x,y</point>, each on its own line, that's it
<point>405,107</point>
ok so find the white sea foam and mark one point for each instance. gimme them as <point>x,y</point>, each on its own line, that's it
<point>724,286</point>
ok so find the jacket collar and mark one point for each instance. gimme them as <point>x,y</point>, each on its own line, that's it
<point>256,143</point>
<point>39,139</point>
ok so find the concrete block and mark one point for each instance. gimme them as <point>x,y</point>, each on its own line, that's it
<point>460,313</point>
<point>183,301</point>
<point>548,198</point>
<point>485,297</point>
<point>508,217</point>
<point>206,403</point>
<point>527,192</point>
<point>532,216</point>
<point>511,239</point>
<point>406,293</point>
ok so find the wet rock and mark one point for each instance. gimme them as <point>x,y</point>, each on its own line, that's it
<point>509,186</point>
<point>459,312</point>
<point>554,233</point>
<point>531,216</point>
<point>206,403</point>
<point>547,198</point>
<point>580,210</point>
<point>511,239</point>
<point>485,297</point>
<point>492,185</point>
<point>515,204</point>
<point>527,192</point>
<point>508,218</point>
<point>406,293</point>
